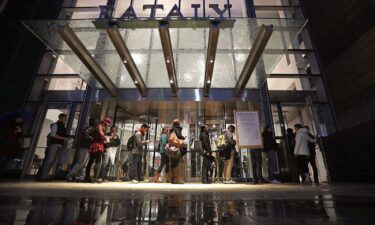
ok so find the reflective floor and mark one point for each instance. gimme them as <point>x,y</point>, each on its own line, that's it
<point>124,203</point>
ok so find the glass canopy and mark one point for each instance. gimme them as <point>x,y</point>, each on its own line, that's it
<point>189,50</point>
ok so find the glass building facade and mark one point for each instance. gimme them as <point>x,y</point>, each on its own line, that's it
<point>286,85</point>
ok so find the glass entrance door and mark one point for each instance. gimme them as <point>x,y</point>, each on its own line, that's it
<point>49,114</point>
<point>285,116</point>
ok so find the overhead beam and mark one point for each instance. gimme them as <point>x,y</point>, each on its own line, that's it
<point>213,39</point>
<point>168,56</point>
<point>87,59</point>
<point>256,52</point>
<point>127,59</point>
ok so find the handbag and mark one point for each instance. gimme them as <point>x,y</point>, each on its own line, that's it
<point>172,151</point>
<point>174,141</point>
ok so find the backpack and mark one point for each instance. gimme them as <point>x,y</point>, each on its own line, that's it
<point>130,143</point>
<point>221,142</point>
<point>87,136</point>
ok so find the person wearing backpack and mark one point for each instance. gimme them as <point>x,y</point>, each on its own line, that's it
<point>206,154</point>
<point>164,157</point>
<point>78,170</point>
<point>135,171</point>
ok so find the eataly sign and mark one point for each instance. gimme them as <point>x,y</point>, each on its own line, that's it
<point>106,11</point>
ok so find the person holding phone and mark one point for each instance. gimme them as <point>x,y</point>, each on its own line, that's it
<point>136,173</point>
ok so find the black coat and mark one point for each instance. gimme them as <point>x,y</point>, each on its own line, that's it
<point>206,144</point>
<point>178,132</point>
<point>269,142</point>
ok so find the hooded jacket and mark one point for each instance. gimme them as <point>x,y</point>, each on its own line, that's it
<point>302,142</point>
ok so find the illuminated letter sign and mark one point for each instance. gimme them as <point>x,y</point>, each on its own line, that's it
<point>107,10</point>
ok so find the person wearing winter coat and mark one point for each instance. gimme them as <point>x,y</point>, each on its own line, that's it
<point>302,152</point>
<point>207,156</point>
<point>177,164</point>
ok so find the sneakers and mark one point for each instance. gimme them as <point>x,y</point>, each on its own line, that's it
<point>230,182</point>
<point>134,182</point>
<point>274,181</point>
<point>100,180</point>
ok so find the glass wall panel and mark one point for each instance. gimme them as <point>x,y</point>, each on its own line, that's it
<point>277,2</point>
<point>290,12</point>
<point>191,69</point>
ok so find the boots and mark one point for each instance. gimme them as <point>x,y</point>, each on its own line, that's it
<point>155,179</point>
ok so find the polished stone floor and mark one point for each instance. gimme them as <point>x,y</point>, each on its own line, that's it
<point>63,203</point>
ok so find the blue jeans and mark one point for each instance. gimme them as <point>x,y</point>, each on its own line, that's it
<point>105,165</point>
<point>53,151</point>
<point>79,167</point>
<point>136,170</point>
<point>272,164</point>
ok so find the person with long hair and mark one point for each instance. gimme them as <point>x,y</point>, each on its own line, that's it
<point>97,149</point>
<point>177,163</point>
<point>164,157</point>
<point>230,148</point>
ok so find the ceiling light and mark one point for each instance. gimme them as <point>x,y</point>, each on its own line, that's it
<point>208,82</point>
<point>171,81</point>
<point>136,82</point>
<point>168,61</point>
<point>211,61</point>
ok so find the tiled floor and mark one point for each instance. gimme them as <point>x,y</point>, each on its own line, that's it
<point>124,203</point>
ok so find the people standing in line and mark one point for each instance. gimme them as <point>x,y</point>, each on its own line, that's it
<point>270,147</point>
<point>110,152</point>
<point>136,171</point>
<point>230,148</point>
<point>256,159</point>
<point>312,160</point>
<point>164,157</point>
<point>302,152</point>
<point>176,164</point>
<point>11,141</point>
<point>207,154</point>
<point>78,170</point>
<point>97,149</point>
<point>56,140</point>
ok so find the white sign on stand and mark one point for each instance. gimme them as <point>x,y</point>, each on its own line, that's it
<point>248,129</point>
